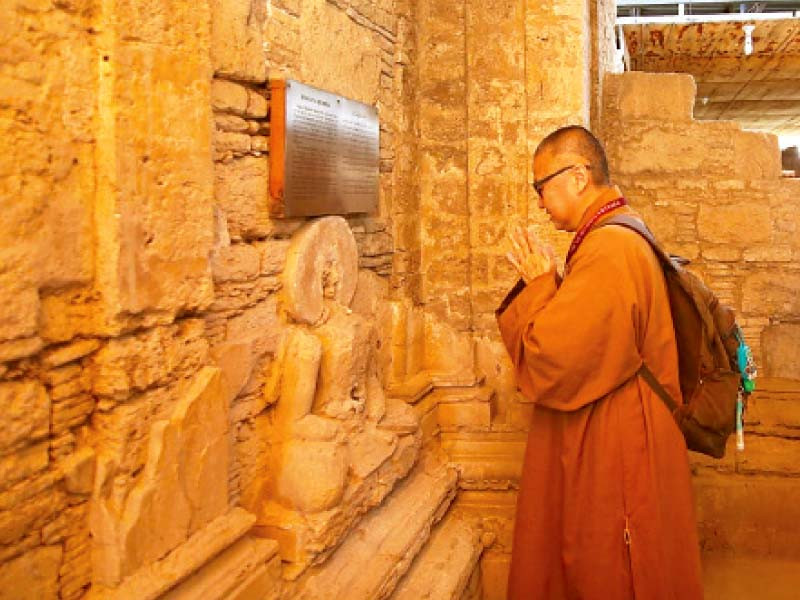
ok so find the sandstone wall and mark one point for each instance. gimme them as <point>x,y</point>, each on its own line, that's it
<point>493,79</point>
<point>106,233</point>
<point>141,273</point>
<point>713,193</point>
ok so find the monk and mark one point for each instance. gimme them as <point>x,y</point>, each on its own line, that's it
<point>605,509</point>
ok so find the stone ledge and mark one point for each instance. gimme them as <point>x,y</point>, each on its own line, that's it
<point>444,567</point>
<point>250,568</point>
<point>154,580</point>
<point>387,540</point>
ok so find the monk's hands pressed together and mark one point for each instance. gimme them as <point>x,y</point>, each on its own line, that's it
<point>529,255</point>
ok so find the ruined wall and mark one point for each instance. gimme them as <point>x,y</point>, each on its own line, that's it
<point>140,276</point>
<point>105,238</point>
<point>163,390</point>
<point>713,194</point>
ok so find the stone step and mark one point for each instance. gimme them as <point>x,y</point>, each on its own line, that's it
<point>447,564</point>
<point>195,558</point>
<point>248,570</point>
<point>380,549</point>
<point>747,577</point>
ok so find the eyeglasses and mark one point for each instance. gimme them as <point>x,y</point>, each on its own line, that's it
<point>539,185</point>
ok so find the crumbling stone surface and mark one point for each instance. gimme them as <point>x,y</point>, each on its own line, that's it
<point>176,494</point>
<point>443,570</point>
<point>387,539</point>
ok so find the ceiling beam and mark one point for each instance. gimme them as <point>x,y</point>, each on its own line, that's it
<point>719,18</point>
<point>635,3</point>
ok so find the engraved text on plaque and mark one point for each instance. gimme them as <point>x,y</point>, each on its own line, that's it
<point>324,153</point>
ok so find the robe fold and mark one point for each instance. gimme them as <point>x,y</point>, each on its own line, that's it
<point>605,508</point>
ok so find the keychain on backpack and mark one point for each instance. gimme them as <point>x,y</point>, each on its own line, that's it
<point>747,368</point>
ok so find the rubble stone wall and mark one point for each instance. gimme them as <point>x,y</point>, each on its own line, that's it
<point>106,231</point>
<point>140,274</point>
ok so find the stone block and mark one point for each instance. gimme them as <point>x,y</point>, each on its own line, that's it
<point>23,463</point>
<point>471,416</point>
<point>721,253</point>
<point>741,224</point>
<point>387,539</point>
<point>748,514</point>
<point>312,477</point>
<point>651,96</point>
<point>660,149</point>
<point>444,567</point>
<point>259,143</point>
<point>71,413</point>
<point>768,454</point>
<point>237,40</point>
<point>154,229</point>
<point>765,293</point>
<point>347,63</point>
<point>771,412</point>
<point>69,352</point>
<point>153,357</point>
<point>780,345</point>
<point>239,262</point>
<point>26,412</point>
<point>32,576</point>
<point>257,105</point>
<point>230,97</point>
<point>20,348</point>
<point>231,142</point>
<point>235,566</point>
<point>757,155</point>
<point>448,352</point>
<point>486,460</point>
<point>241,191</point>
<point>258,326</point>
<point>771,253</point>
<point>273,255</point>
<point>231,123</point>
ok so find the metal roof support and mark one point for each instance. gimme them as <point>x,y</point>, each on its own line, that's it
<point>721,18</point>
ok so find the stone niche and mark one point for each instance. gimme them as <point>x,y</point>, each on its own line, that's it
<point>335,444</point>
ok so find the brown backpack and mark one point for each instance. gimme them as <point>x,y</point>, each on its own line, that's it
<point>708,340</point>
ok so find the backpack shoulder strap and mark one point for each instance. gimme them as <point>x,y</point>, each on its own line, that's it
<point>665,259</point>
<point>637,225</point>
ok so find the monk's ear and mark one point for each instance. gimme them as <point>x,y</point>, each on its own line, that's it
<point>582,178</point>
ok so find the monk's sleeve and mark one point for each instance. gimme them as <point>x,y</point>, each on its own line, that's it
<point>572,344</point>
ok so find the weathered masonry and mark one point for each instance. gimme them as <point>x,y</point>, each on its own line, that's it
<point>201,400</point>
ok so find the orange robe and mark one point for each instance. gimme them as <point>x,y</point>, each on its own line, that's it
<point>605,509</point>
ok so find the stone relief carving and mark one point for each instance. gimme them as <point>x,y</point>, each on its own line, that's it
<point>182,487</point>
<point>331,429</point>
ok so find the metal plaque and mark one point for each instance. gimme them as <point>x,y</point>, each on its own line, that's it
<point>324,153</point>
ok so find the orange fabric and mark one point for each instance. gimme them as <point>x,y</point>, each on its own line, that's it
<point>603,454</point>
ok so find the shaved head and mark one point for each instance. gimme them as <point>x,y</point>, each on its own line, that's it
<point>577,141</point>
